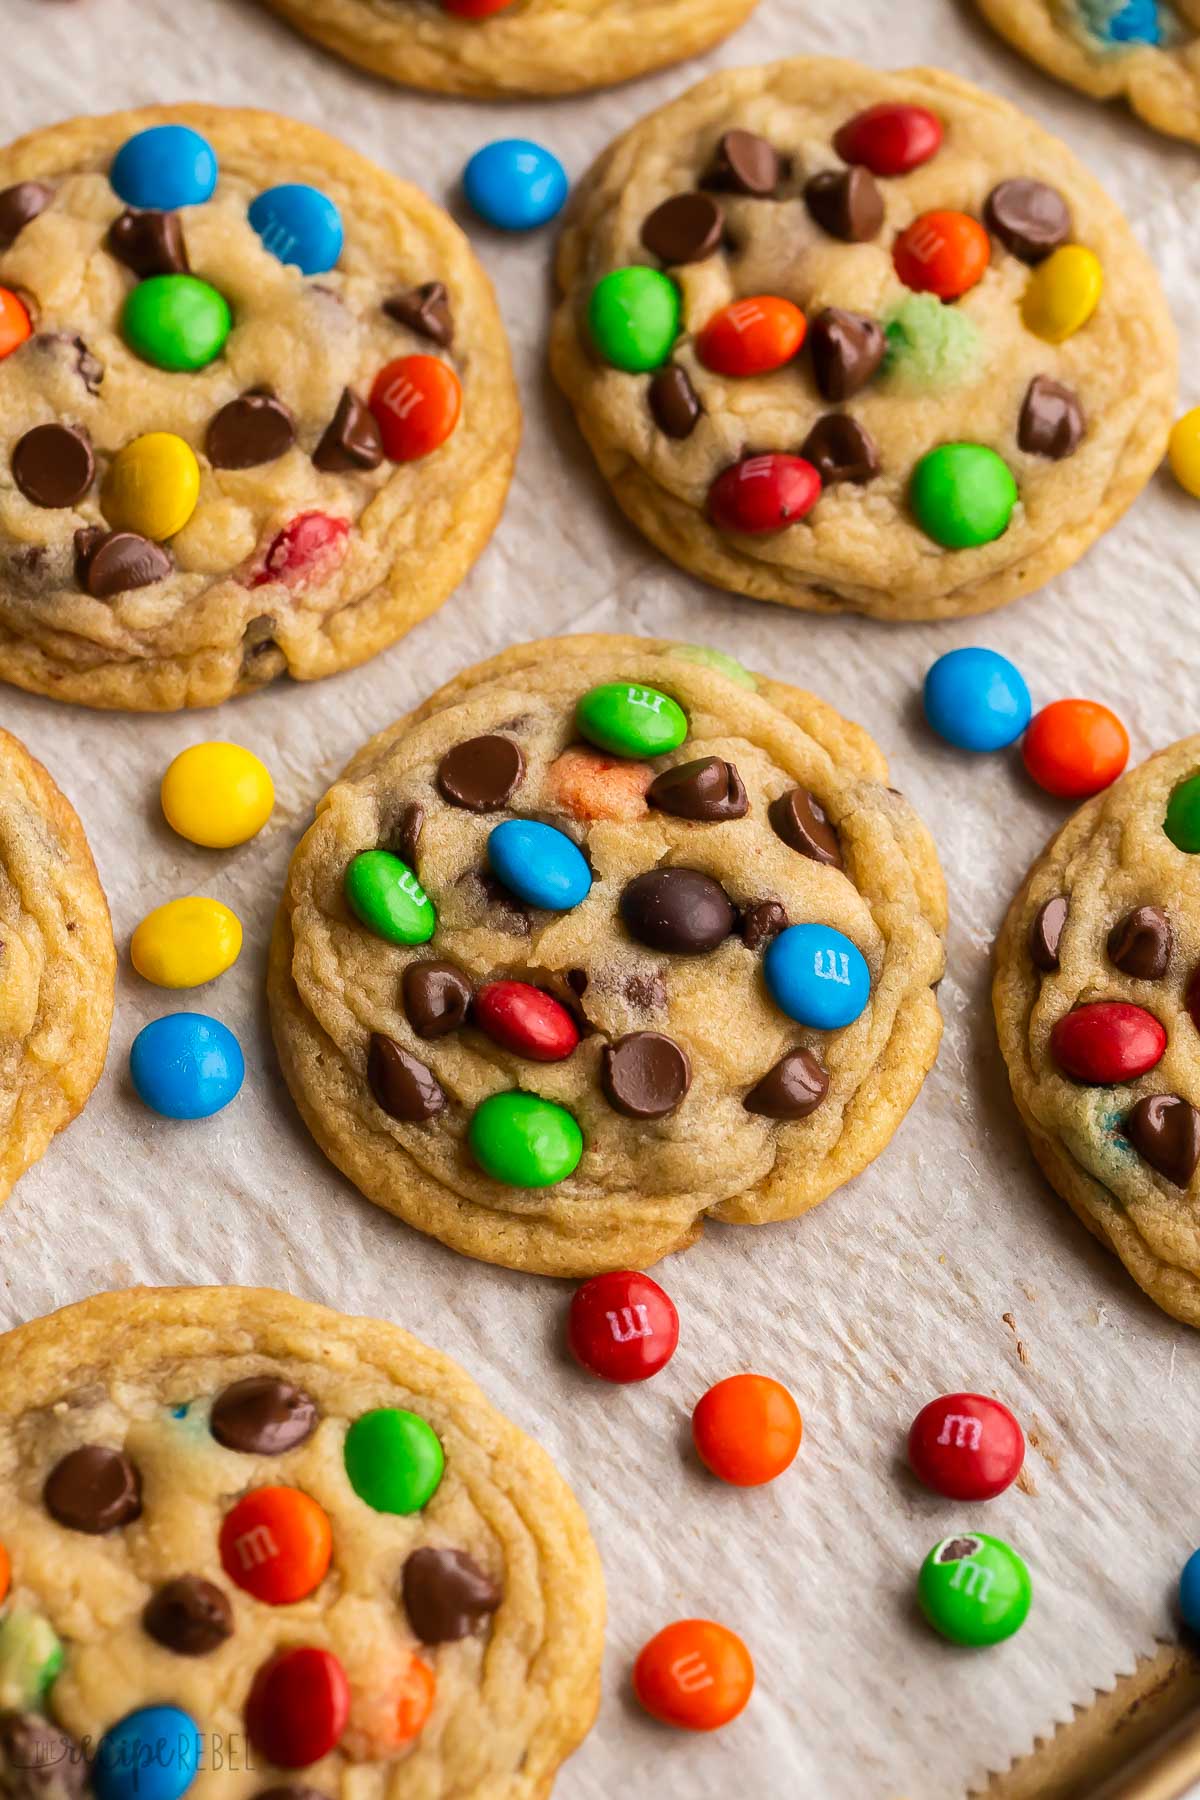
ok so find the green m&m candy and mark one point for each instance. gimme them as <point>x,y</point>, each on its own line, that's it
<point>394,1460</point>
<point>31,1656</point>
<point>525,1141</point>
<point>385,894</point>
<point>974,1589</point>
<point>963,495</point>
<point>176,321</point>
<point>633,316</point>
<point>627,720</point>
<point>715,659</point>
<point>1182,823</point>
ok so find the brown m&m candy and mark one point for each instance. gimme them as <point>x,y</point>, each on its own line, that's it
<point>1140,944</point>
<point>846,203</point>
<point>645,1075</point>
<point>680,910</point>
<point>1052,421</point>
<point>847,349</point>
<point>840,449</point>
<point>674,402</point>
<point>352,438</point>
<point>149,243</point>
<point>262,1415</point>
<point>437,997</point>
<point>189,1615</point>
<point>1046,933</point>
<point>745,164</point>
<point>707,790</point>
<point>113,562</point>
<point>800,820</point>
<point>481,773</point>
<point>446,1595</point>
<point>1029,218</point>
<point>93,1489</point>
<point>1164,1129</point>
<point>425,310</point>
<point>39,1760</point>
<point>20,204</point>
<point>762,922</point>
<point>255,428</point>
<point>403,1086</point>
<point>684,229</point>
<point>792,1089</point>
<point>53,465</point>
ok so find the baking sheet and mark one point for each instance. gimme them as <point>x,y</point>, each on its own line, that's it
<point>947,1265</point>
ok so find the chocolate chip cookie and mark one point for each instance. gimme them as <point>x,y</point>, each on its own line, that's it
<point>860,342</point>
<point>257,415</point>
<point>490,49</point>
<point>607,938</point>
<point>1097,1001</point>
<point>57,963</point>
<point>264,1548</point>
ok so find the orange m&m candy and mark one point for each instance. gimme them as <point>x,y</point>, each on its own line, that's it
<point>392,1708</point>
<point>15,325</point>
<point>747,1430</point>
<point>475,9</point>
<point>5,1573</point>
<point>942,253</point>
<point>416,401</point>
<point>276,1543</point>
<point>752,336</point>
<point>695,1674</point>
<point>1075,747</point>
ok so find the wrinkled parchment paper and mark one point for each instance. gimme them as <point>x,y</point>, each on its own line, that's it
<point>949,1264</point>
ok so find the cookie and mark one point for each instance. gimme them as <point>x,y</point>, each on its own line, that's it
<point>607,938</point>
<point>303,1545</point>
<point>493,49</point>
<point>1098,1007</point>
<point>257,415</point>
<point>860,342</point>
<point>1146,52</point>
<point>57,963</point>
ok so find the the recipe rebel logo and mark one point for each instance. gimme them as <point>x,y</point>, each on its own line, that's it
<point>190,1752</point>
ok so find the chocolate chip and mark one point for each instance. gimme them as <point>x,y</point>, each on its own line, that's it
<point>89,370</point>
<point>1140,944</point>
<point>1029,218</point>
<point>425,310</point>
<point>680,910</point>
<point>481,773</point>
<point>646,992</point>
<point>188,1615</point>
<point>1052,421</point>
<point>762,922</point>
<point>645,1075</point>
<point>93,1489</point>
<point>446,1595</point>
<point>406,833</point>
<point>255,428</point>
<point>39,1760</point>
<point>577,981</point>
<point>674,402</point>
<point>794,1088</point>
<point>53,465</point>
<point>1164,1129</point>
<point>686,228</point>
<point>708,790</point>
<point>505,913</point>
<point>404,1087</point>
<point>846,203</point>
<point>351,440</point>
<point>1046,934</point>
<point>846,351</point>
<point>262,1415</point>
<point>149,243</point>
<point>800,820</point>
<point>744,164</point>
<point>113,562</point>
<point>18,205</point>
<point>840,449</point>
<point>437,997</point>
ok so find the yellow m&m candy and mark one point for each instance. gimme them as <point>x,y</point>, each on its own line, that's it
<point>185,943</point>
<point>1063,293</point>
<point>1183,448</point>
<point>152,486</point>
<point>217,795</point>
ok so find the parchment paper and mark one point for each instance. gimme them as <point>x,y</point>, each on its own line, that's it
<point>949,1264</point>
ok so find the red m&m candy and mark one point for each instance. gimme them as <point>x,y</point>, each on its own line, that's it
<point>622,1327</point>
<point>521,1018</point>
<point>761,494</point>
<point>966,1447</point>
<point>475,9</point>
<point>297,1707</point>
<point>1106,1042</point>
<point>752,336</point>
<point>416,401</point>
<point>276,1543</point>
<point>1075,747</point>
<point>942,253</point>
<point>890,140</point>
<point>308,548</point>
<point>747,1430</point>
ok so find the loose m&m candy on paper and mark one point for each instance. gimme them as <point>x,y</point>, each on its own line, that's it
<point>622,1327</point>
<point>695,1674</point>
<point>966,1447</point>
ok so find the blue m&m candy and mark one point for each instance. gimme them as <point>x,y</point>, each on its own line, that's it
<point>151,1754</point>
<point>817,976</point>
<point>186,1066</point>
<point>1189,1592</point>
<point>514,184</point>
<point>164,167</point>
<point>1137,22</point>
<point>977,699</point>
<point>539,864</point>
<point>300,225</point>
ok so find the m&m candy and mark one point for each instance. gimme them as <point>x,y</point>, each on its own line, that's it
<point>1182,822</point>
<point>5,1574</point>
<point>622,1327</point>
<point>539,864</point>
<point>152,486</point>
<point>963,495</point>
<point>1074,748</point>
<point>475,9</point>
<point>942,253</point>
<point>763,494</point>
<point>633,316</point>
<point>521,1018</point>
<point>976,699</point>
<point>1189,1592</point>
<point>1106,1042</point>
<point>151,1754</point>
<point>1183,449</point>
<point>1133,22</point>
<point>300,225</point>
<point>15,323</point>
<point>1063,293</point>
<point>629,720</point>
<point>164,167</point>
<point>975,1590</point>
<point>890,139</point>
<point>515,184</point>
<point>31,1655</point>
<point>708,658</point>
<point>525,1141</point>
<point>752,336</point>
<point>695,1674</point>
<point>386,896</point>
<point>276,1543</point>
<point>966,1447</point>
<point>186,1066</point>
<point>176,322</point>
<point>416,402</point>
<point>217,795</point>
<point>298,1707</point>
<point>817,976</point>
<point>747,1430</point>
<point>394,1460</point>
<point>184,943</point>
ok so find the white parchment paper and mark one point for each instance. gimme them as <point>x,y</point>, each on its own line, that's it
<point>949,1264</point>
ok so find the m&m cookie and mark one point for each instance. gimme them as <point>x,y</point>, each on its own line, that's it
<point>257,415</point>
<point>57,963</point>
<point>609,937</point>
<point>1097,1000</point>
<point>860,342</point>
<point>259,1548</point>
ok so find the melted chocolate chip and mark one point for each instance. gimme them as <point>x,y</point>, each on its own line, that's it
<point>446,1595</point>
<point>800,820</point>
<point>577,981</point>
<point>406,833</point>
<point>88,368</point>
<point>53,465</point>
<point>645,1075</point>
<point>39,1760</point>
<point>262,1415</point>
<point>113,562</point>
<point>846,203</point>
<point>1164,1129</point>
<point>1046,934</point>
<point>680,910</point>
<point>437,998</point>
<point>794,1088</point>
<point>425,310</point>
<point>646,992</point>
<point>482,773</point>
<point>188,1615</point>
<point>744,164</point>
<point>840,449</point>
<point>255,428</point>
<point>1052,422</point>
<point>707,790</point>
<point>504,912</point>
<point>404,1087</point>
<point>20,204</point>
<point>1029,218</point>
<point>149,243</point>
<point>674,402</point>
<point>847,349</point>
<point>351,440</point>
<point>763,922</point>
<point>1140,944</point>
<point>684,229</point>
<point>93,1489</point>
